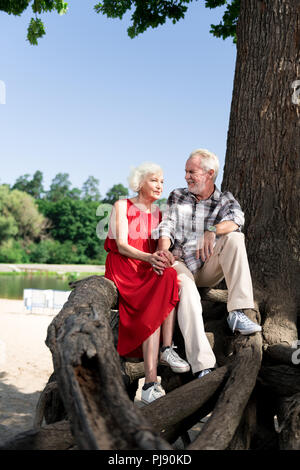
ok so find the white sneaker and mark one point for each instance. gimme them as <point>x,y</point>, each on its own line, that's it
<point>170,358</point>
<point>152,393</point>
<point>203,373</point>
<point>238,321</point>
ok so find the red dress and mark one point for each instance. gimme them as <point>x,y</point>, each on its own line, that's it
<point>145,298</point>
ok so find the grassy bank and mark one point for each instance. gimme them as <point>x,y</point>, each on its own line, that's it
<point>67,276</point>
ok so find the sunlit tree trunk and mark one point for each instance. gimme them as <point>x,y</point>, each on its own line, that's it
<point>262,166</point>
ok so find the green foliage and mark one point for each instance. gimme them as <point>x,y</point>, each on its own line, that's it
<point>73,223</point>
<point>154,13</point>
<point>90,191</point>
<point>145,14</point>
<point>227,27</point>
<point>56,229</point>
<point>115,193</point>
<point>34,187</point>
<point>36,28</point>
<point>42,6</point>
<point>59,188</point>
<point>8,227</point>
<point>12,251</point>
<point>161,202</point>
<point>14,7</point>
<point>54,252</point>
<point>22,215</point>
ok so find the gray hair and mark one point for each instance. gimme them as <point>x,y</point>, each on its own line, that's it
<point>209,161</point>
<point>138,174</point>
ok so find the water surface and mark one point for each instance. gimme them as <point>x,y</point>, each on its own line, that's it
<point>12,285</point>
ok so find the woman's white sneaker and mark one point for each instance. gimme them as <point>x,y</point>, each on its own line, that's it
<point>152,393</point>
<point>170,358</point>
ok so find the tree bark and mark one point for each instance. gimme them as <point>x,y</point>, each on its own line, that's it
<point>220,429</point>
<point>262,166</point>
<point>92,387</point>
<point>289,423</point>
<point>88,372</point>
<point>55,436</point>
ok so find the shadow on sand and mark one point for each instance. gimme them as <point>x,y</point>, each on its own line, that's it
<point>17,409</point>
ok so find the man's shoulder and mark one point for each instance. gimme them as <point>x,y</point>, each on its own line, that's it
<point>223,196</point>
<point>179,194</point>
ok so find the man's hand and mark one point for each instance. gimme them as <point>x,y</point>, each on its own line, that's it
<point>168,256</point>
<point>162,259</point>
<point>206,246</point>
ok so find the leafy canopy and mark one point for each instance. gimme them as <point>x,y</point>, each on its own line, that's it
<point>34,187</point>
<point>153,13</point>
<point>36,27</point>
<point>118,191</point>
<point>145,14</point>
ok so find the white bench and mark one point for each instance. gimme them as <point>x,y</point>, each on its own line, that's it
<point>44,301</point>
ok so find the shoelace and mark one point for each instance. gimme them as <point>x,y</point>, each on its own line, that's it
<point>242,317</point>
<point>174,354</point>
<point>157,390</point>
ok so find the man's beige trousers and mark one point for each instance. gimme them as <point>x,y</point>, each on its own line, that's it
<point>229,260</point>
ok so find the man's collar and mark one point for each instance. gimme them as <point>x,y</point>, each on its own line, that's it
<point>215,195</point>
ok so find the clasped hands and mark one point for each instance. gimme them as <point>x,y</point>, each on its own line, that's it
<point>160,260</point>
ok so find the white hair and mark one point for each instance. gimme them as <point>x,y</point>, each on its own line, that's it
<point>138,174</point>
<point>209,161</point>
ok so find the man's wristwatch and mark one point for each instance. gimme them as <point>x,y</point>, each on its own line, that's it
<point>212,228</point>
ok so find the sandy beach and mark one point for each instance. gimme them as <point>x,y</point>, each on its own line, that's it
<point>25,365</point>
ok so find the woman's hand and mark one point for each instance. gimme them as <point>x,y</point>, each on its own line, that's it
<point>168,256</point>
<point>160,260</point>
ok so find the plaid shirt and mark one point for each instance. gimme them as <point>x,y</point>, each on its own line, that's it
<point>185,220</point>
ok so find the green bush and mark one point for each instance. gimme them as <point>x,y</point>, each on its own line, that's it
<point>11,251</point>
<point>54,252</point>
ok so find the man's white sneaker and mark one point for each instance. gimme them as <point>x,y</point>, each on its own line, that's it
<point>203,373</point>
<point>238,321</point>
<point>170,358</point>
<point>152,393</point>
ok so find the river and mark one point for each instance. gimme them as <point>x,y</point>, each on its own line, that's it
<point>12,285</point>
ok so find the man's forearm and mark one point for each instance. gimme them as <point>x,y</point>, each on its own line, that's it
<point>226,227</point>
<point>164,243</point>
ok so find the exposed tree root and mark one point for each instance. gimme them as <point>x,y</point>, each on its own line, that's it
<point>94,388</point>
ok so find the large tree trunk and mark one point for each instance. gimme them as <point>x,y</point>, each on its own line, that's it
<point>262,167</point>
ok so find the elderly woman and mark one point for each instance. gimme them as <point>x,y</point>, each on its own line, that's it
<point>147,285</point>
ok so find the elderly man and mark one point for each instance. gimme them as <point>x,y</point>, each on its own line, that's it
<point>202,229</point>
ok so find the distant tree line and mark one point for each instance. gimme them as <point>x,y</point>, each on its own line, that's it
<point>56,226</point>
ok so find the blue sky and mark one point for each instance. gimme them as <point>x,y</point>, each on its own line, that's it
<point>88,100</point>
